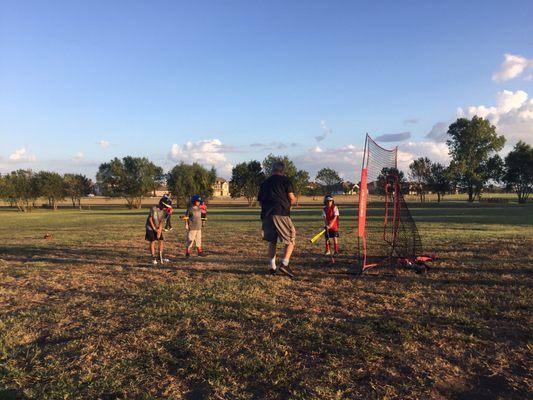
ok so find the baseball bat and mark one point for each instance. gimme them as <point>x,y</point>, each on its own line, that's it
<point>317,236</point>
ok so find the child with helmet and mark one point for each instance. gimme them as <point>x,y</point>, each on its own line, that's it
<point>193,226</point>
<point>154,227</point>
<point>330,213</point>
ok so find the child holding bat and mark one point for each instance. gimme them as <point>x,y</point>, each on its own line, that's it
<point>154,228</point>
<point>330,213</point>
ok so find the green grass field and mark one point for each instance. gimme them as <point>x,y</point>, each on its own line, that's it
<point>82,315</point>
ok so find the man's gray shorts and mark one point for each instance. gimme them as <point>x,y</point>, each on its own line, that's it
<point>279,227</point>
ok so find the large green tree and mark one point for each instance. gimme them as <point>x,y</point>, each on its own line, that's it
<point>439,180</point>
<point>6,190</point>
<point>76,187</point>
<point>186,180</point>
<point>290,168</point>
<point>386,177</point>
<point>131,178</point>
<point>329,180</point>
<point>19,189</point>
<point>300,183</point>
<point>419,173</point>
<point>51,186</point>
<point>471,144</point>
<point>298,177</point>
<point>246,178</point>
<point>493,168</point>
<point>518,171</point>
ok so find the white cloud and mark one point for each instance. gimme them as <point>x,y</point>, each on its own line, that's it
<point>175,152</point>
<point>22,155</point>
<point>512,115</point>
<point>435,151</point>
<point>346,160</point>
<point>507,100</point>
<point>104,144</point>
<point>325,131</point>
<point>512,67</point>
<point>439,132</point>
<point>393,137</point>
<point>490,113</point>
<point>78,157</point>
<point>208,152</point>
<point>275,145</point>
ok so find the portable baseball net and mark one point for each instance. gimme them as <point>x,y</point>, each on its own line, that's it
<point>387,232</point>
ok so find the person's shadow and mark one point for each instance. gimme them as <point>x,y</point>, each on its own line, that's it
<point>12,394</point>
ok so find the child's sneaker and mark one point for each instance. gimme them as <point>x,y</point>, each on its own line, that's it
<point>187,255</point>
<point>272,271</point>
<point>154,261</point>
<point>336,254</point>
<point>327,253</point>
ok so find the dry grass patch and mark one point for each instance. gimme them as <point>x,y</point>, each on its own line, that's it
<point>82,316</point>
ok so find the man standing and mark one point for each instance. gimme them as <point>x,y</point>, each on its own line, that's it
<point>276,196</point>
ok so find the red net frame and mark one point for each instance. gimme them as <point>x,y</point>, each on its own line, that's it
<point>372,248</point>
<point>386,228</point>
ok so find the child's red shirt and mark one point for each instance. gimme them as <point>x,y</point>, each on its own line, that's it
<point>330,213</point>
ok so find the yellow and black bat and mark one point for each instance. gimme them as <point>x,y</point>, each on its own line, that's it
<point>317,236</point>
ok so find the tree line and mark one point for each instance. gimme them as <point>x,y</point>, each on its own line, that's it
<point>22,188</point>
<point>247,177</point>
<point>135,178</point>
<point>130,178</point>
<point>473,147</point>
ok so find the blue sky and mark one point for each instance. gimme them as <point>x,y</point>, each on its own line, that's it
<point>82,82</point>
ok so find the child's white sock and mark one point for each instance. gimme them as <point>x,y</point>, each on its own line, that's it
<point>273,263</point>
<point>285,262</point>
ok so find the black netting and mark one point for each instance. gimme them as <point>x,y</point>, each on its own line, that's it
<point>408,243</point>
<point>377,159</point>
<point>374,248</point>
<point>389,228</point>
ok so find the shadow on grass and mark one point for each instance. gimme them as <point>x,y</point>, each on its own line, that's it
<point>12,394</point>
<point>495,271</point>
<point>63,255</point>
<point>125,213</point>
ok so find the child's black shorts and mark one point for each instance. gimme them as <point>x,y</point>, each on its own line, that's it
<point>151,235</point>
<point>332,234</point>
